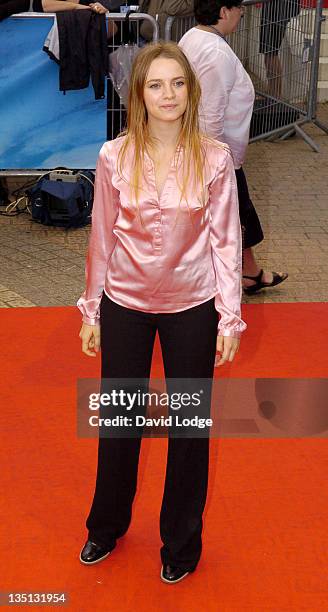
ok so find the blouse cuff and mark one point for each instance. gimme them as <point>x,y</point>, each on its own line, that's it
<point>90,321</point>
<point>233,333</point>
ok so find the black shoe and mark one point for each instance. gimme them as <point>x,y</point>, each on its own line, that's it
<point>172,574</point>
<point>93,553</point>
<point>277,278</point>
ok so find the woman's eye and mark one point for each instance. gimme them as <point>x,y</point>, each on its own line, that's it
<point>154,86</point>
<point>179,83</point>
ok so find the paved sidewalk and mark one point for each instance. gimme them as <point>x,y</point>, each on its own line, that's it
<point>45,266</point>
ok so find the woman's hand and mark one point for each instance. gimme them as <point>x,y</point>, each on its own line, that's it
<point>227,346</point>
<point>90,336</point>
<point>98,8</point>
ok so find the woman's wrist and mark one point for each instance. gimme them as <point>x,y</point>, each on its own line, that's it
<point>90,321</point>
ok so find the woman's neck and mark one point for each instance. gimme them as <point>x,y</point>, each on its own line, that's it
<point>218,26</point>
<point>164,135</point>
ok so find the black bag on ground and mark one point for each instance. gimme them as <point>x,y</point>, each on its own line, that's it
<point>4,196</point>
<point>62,202</point>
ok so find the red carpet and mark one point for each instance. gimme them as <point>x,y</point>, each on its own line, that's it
<point>266,522</point>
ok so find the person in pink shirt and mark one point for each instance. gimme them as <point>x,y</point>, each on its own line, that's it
<point>225,114</point>
<point>164,256</point>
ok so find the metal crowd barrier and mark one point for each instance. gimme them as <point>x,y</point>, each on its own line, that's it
<point>278,42</point>
<point>128,33</point>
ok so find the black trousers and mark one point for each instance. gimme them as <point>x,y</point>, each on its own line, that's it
<point>275,17</point>
<point>188,342</point>
<point>252,230</point>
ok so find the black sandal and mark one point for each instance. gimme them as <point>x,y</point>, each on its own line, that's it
<point>259,284</point>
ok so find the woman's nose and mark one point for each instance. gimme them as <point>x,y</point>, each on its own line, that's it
<point>168,91</point>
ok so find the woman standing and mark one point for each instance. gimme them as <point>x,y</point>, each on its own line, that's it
<point>226,112</point>
<point>164,255</point>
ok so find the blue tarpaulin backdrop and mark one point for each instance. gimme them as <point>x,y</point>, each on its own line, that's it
<point>40,127</point>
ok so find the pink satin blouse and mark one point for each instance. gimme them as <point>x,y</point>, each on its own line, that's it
<point>174,253</point>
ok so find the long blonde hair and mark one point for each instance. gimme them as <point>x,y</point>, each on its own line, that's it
<point>137,133</point>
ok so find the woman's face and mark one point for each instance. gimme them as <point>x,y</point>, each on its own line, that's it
<point>165,90</point>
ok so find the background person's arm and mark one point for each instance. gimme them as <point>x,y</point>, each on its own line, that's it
<point>179,7</point>
<point>54,6</point>
<point>217,77</point>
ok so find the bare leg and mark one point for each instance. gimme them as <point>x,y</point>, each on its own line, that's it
<point>274,72</point>
<point>112,28</point>
<point>251,268</point>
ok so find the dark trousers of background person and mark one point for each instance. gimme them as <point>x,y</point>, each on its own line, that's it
<point>252,230</point>
<point>188,342</point>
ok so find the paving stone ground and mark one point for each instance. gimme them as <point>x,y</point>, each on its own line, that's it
<point>42,266</point>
